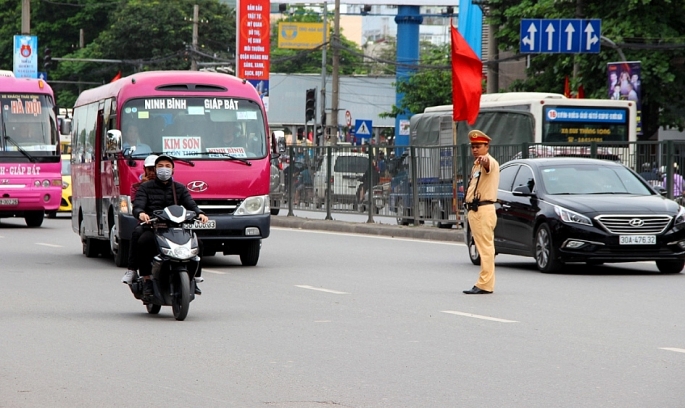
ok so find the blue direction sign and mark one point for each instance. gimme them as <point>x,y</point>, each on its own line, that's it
<point>362,128</point>
<point>570,36</point>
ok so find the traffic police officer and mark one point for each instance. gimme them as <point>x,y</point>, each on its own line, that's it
<point>481,196</point>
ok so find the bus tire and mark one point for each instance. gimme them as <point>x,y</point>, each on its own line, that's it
<point>249,255</point>
<point>34,219</point>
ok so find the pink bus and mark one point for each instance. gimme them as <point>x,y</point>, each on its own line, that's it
<point>216,128</point>
<point>30,160</point>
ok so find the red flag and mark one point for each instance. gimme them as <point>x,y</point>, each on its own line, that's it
<point>567,88</point>
<point>581,92</point>
<point>467,74</point>
<point>117,76</point>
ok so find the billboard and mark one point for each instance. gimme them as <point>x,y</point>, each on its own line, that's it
<point>422,3</point>
<point>252,48</point>
<point>25,56</point>
<point>624,82</point>
<point>303,36</point>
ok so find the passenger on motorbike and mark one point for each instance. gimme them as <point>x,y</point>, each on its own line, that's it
<point>149,174</point>
<point>156,195</point>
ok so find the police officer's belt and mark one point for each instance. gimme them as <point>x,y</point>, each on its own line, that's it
<point>470,206</point>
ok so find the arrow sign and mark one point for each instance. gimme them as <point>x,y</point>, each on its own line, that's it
<point>571,38</point>
<point>590,38</point>
<point>552,35</point>
<point>530,42</point>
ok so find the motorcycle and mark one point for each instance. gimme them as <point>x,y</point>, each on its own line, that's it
<point>175,266</point>
<point>379,198</point>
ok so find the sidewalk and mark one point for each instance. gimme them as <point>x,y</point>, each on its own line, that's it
<point>385,230</point>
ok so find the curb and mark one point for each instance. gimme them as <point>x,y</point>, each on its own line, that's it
<point>395,231</point>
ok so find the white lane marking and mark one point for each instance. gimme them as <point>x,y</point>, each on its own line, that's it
<point>369,236</point>
<point>677,350</point>
<point>49,245</point>
<point>475,316</point>
<point>213,271</point>
<point>322,289</point>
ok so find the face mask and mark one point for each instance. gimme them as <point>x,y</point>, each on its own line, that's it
<point>164,173</point>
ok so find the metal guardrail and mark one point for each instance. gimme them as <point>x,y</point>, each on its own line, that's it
<point>425,184</point>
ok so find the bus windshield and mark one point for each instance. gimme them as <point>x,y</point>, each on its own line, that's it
<point>28,124</point>
<point>197,128</point>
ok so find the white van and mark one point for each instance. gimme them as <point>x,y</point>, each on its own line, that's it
<point>347,169</point>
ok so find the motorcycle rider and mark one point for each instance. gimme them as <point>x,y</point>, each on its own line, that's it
<point>149,174</point>
<point>156,195</point>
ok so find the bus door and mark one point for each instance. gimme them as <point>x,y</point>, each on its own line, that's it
<point>99,165</point>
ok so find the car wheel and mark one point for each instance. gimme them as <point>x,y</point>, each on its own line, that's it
<point>545,253</point>
<point>474,256</point>
<point>675,266</point>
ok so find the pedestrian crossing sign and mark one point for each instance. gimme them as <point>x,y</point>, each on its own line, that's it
<point>363,128</point>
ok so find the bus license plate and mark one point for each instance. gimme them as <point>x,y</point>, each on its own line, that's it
<point>9,201</point>
<point>637,239</point>
<point>211,224</point>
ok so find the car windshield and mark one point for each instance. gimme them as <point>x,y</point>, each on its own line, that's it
<point>591,179</point>
<point>351,164</point>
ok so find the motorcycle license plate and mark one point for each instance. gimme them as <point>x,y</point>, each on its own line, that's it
<point>637,239</point>
<point>211,224</point>
<point>9,201</point>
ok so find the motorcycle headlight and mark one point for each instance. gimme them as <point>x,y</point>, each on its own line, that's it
<point>253,206</point>
<point>179,251</point>
<point>569,216</point>
<point>680,218</point>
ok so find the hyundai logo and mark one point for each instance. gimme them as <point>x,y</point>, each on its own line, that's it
<point>197,186</point>
<point>636,222</point>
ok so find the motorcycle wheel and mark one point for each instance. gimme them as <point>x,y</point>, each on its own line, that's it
<point>180,298</point>
<point>153,309</point>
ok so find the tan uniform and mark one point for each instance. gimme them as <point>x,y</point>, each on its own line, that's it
<point>482,222</point>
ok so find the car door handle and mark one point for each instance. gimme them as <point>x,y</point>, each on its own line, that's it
<point>506,206</point>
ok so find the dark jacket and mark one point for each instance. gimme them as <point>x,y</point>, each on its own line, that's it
<point>154,195</point>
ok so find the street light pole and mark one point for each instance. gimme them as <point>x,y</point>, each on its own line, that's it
<point>335,42</point>
<point>322,99</point>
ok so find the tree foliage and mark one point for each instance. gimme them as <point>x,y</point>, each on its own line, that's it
<point>649,31</point>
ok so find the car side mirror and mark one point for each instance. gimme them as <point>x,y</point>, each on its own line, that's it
<point>523,191</point>
<point>662,191</point>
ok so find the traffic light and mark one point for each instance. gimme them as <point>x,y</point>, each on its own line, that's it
<point>310,106</point>
<point>47,58</point>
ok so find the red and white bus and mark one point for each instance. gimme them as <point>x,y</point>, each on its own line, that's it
<point>30,160</point>
<point>184,114</point>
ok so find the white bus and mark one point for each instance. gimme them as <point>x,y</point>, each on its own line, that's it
<point>557,119</point>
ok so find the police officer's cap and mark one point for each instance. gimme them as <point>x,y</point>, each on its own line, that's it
<point>477,136</point>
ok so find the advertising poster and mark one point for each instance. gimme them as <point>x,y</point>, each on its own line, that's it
<point>25,56</point>
<point>623,81</point>
<point>252,46</point>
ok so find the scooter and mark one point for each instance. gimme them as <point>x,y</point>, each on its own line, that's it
<point>379,193</point>
<point>175,266</point>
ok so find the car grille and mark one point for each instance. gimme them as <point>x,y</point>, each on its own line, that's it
<point>218,206</point>
<point>634,224</point>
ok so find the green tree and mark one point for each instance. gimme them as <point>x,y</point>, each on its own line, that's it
<point>649,31</point>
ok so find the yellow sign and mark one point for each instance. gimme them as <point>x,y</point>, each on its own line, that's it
<point>300,35</point>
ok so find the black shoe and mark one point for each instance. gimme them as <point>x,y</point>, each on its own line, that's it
<point>148,287</point>
<point>476,291</point>
<point>197,289</point>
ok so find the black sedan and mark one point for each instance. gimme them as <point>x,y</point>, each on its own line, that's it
<point>561,210</point>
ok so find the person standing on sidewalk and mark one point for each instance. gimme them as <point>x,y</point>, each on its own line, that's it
<point>481,196</point>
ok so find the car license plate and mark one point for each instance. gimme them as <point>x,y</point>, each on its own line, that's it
<point>637,239</point>
<point>211,224</point>
<point>9,201</point>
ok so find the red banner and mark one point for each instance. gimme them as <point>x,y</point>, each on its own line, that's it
<point>253,39</point>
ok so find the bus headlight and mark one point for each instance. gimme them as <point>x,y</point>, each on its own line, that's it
<point>46,183</point>
<point>253,206</point>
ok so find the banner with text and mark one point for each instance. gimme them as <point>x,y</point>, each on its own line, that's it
<point>25,56</point>
<point>253,50</point>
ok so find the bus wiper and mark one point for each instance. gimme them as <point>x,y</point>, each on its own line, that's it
<point>24,152</point>
<point>224,156</point>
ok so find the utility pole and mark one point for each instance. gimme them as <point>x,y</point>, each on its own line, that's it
<point>335,43</point>
<point>322,99</point>
<point>493,56</point>
<point>196,18</point>
<point>26,17</point>
<point>576,58</point>
<point>81,44</point>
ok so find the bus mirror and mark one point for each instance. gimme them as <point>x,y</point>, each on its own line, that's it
<point>279,141</point>
<point>113,141</point>
<point>65,126</point>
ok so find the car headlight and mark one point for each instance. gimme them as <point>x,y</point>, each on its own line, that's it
<point>571,216</point>
<point>65,185</point>
<point>253,206</point>
<point>680,218</point>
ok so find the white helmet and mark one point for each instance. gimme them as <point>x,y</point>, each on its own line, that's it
<point>150,160</point>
